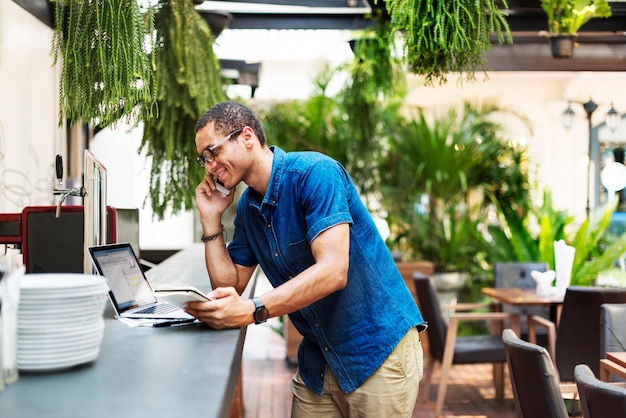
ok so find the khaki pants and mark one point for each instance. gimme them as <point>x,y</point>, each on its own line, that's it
<point>390,392</point>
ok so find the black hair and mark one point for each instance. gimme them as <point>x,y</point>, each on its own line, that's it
<point>229,116</point>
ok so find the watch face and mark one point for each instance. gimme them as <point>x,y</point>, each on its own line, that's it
<point>261,314</point>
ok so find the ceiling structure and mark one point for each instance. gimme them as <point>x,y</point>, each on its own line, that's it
<point>602,42</point>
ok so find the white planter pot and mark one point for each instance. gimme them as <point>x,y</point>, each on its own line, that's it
<point>447,285</point>
<point>450,281</point>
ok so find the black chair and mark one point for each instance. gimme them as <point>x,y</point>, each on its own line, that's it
<point>518,274</point>
<point>599,399</point>
<point>612,331</point>
<point>578,333</point>
<point>536,386</point>
<point>446,348</point>
<point>612,328</point>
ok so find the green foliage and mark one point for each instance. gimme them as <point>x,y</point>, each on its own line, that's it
<point>440,178</point>
<point>188,83</point>
<point>369,103</point>
<point>567,16</point>
<point>350,127</point>
<point>530,236</point>
<point>527,233</point>
<point>106,71</point>
<point>442,36</point>
<point>591,256</point>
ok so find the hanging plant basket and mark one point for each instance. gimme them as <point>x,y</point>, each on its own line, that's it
<point>443,37</point>
<point>562,46</point>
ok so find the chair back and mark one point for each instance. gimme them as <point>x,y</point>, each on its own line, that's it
<point>578,333</point>
<point>534,381</point>
<point>517,274</point>
<point>612,328</point>
<point>598,399</point>
<point>431,311</point>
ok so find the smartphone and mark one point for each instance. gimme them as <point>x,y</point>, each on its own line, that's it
<point>220,187</point>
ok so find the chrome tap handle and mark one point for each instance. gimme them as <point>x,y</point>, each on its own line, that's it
<point>62,191</point>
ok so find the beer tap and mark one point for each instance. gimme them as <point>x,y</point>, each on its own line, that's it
<point>60,190</point>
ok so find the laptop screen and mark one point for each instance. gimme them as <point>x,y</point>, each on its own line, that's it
<point>119,264</point>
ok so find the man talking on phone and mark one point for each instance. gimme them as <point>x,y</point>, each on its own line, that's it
<point>302,220</point>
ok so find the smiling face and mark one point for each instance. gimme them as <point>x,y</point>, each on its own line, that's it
<point>241,157</point>
<point>214,148</point>
<point>227,156</point>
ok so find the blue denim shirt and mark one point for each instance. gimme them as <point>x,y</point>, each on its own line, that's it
<point>354,329</point>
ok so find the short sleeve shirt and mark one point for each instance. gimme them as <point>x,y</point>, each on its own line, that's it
<point>352,330</point>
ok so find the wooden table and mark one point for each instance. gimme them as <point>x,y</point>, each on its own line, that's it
<point>614,363</point>
<point>520,297</point>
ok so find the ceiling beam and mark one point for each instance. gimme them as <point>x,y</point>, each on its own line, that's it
<point>297,21</point>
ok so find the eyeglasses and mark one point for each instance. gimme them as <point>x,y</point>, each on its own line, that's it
<point>209,154</point>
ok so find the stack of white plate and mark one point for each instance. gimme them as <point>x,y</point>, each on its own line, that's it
<point>59,321</point>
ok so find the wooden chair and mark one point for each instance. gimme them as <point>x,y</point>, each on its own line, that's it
<point>446,348</point>
<point>599,399</point>
<point>536,387</point>
<point>576,340</point>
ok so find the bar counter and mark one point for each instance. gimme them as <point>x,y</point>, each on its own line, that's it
<point>143,372</point>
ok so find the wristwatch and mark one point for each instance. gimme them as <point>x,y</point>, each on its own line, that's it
<point>261,313</point>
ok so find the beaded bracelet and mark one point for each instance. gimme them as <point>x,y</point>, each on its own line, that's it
<point>212,237</point>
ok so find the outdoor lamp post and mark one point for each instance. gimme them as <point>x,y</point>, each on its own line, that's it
<point>612,120</point>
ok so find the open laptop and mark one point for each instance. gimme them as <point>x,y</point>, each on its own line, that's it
<point>130,292</point>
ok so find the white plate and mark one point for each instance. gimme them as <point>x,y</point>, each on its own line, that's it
<point>60,331</point>
<point>54,365</point>
<point>39,346</point>
<point>58,353</point>
<point>61,305</point>
<point>59,281</point>
<point>58,307</point>
<point>86,342</point>
<point>82,321</point>
<point>63,294</point>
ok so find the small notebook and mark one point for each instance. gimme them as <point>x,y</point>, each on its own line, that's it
<point>130,292</point>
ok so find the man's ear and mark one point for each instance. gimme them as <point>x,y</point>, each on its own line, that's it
<point>249,136</point>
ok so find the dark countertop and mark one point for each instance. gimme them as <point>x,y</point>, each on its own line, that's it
<point>142,372</point>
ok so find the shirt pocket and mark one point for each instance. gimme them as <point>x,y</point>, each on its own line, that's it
<point>298,256</point>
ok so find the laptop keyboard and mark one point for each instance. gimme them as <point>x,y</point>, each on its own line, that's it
<point>162,308</point>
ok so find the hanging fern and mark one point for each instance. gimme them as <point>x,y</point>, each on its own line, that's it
<point>376,85</point>
<point>442,36</point>
<point>188,84</point>
<point>106,71</point>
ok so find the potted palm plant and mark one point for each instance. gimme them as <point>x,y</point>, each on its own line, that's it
<point>438,184</point>
<point>565,18</point>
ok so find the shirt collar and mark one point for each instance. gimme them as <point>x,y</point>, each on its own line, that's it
<point>278,168</point>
